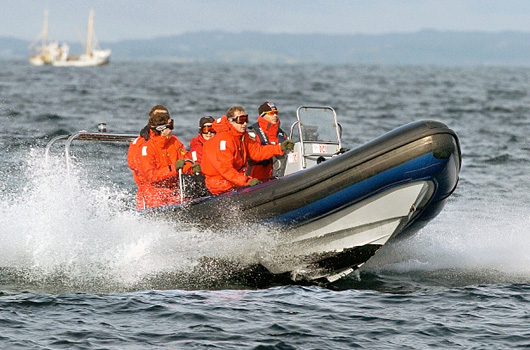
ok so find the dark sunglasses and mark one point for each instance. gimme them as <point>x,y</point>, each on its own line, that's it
<point>242,119</point>
<point>163,127</point>
<point>206,129</point>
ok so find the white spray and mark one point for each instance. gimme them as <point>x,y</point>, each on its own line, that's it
<point>72,229</point>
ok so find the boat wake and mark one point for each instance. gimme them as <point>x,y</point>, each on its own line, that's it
<point>464,245</point>
<point>68,233</point>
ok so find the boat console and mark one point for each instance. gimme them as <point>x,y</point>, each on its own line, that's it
<point>317,137</point>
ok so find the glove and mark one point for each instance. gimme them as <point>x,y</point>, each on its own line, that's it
<point>180,164</point>
<point>287,145</point>
<point>254,182</point>
<point>196,168</point>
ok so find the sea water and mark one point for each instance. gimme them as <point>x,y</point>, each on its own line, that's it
<point>81,269</point>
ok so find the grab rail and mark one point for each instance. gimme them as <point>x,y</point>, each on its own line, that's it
<point>86,136</point>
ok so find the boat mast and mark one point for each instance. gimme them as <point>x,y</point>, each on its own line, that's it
<point>45,31</point>
<point>89,33</point>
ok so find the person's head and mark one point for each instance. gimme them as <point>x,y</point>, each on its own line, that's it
<point>155,110</point>
<point>238,118</point>
<point>158,109</point>
<point>269,112</point>
<point>205,127</point>
<point>161,124</point>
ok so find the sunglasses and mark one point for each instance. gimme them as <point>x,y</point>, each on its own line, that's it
<point>242,119</point>
<point>163,127</point>
<point>270,113</point>
<point>206,129</point>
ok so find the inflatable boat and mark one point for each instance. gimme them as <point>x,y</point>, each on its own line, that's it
<point>331,208</point>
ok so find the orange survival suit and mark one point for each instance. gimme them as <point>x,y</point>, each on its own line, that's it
<point>133,159</point>
<point>225,156</point>
<point>157,168</point>
<point>196,147</point>
<point>267,133</point>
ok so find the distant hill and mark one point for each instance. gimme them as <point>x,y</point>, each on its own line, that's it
<point>423,47</point>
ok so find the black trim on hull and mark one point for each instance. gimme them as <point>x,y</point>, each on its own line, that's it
<point>348,257</point>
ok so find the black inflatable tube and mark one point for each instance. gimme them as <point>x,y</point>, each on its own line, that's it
<point>258,203</point>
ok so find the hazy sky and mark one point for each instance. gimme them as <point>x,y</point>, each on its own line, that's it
<point>138,19</point>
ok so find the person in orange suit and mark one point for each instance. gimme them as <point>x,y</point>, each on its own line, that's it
<point>267,130</point>
<point>225,156</point>
<point>134,154</point>
<point>195,185</point>
<point>162,156</point>
<point>206,132</point>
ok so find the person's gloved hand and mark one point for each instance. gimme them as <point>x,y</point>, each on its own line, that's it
<point>196,168</point>
<point>180,164</point>
<point>287,145</point>
<point>254,182</point>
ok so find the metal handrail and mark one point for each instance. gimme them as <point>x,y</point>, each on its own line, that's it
<point>86,136</point>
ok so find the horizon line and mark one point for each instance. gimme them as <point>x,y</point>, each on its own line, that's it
<point>423,30</point>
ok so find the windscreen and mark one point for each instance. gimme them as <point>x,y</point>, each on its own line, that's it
<point>318,124</point>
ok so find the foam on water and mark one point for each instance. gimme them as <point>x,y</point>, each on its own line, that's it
<point>70,229</point>
<point>490,240</point>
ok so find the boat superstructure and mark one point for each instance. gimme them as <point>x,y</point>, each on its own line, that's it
<point>48,51</point>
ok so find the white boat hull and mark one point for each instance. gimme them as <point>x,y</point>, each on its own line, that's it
<point>369,222</point>
<point>98,58</point>
<point>36,61</point>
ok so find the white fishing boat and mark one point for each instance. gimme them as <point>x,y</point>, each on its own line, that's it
<point>51,53</point>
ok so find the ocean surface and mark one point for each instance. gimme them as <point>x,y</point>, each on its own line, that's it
<point>80,269</point>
